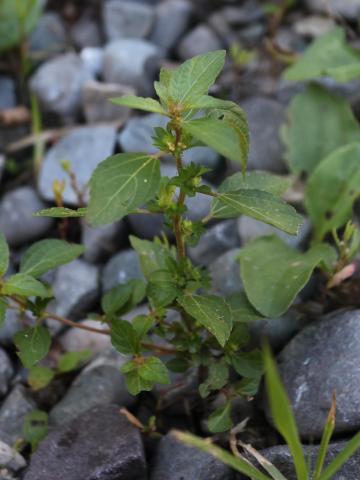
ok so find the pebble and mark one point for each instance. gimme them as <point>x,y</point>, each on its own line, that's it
<point>57,84</point>
<point>76,340</point>
<point>10,458</point>
<point>93,143</point>
<point>350,9</point>
<point>86,32</point>
<point>13,412</point>
<point>49,37</point>
<point>241,15</point>
<point>16,216</point>
<point>7,93</point>
<point>313,26</point>
<point>93,60</point>
<point>99,444</point>
<point>225,273</point>
<point>121,268</point>
<point>198,41</point>
<point>6,373</point>
<point>101,242</point>
<point>137,134</point>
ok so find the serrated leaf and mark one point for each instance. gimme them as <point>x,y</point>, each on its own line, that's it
<point>256,180</point>
<point>136,384</point>
<point>61,212</point>
<point>115,299</point>
<point>124,337</point>
<point>212,312</point>
<point>332,125</point>
<point>25,286</point>
<point>162,288</point>
<point>273,273</point>
<point>259,205</point>
<point>33,345</point>
<point>140,103</point>
<point>152,255</point>
<point>220,420</point>
<point>39,377</point>
<point>221,136</point>
<point>333,188</point>
<point>70,361</point>
<point>328,56</point>
<point>242,309</point>
<point>248,387</point>
<point>142,324</point>
<point>154,370</point>
<point>4,255</point>
<point>45,255</point>
<point>195,76</point>
<point>121,184</point>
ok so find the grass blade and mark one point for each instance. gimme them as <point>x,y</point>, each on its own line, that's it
<point>327,434</point>
<point>350,448</point>
<point>264,462</point>
<point>282,414</point>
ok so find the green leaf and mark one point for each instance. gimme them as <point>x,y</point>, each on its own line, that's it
<point>162,288</point>
<point>282,414</point>
<point>39,377</point>
<point>142,324</point>
<point>333,188</point>
<point>48,254</point>
<point>135,384</point>
<point>121,184</point>
<point>212,312</point>
<point>220,420</point>
<point>72,360</point>
<point>154,370</point>
<point>33,344</point>
<point>237,463</point>
<point>152,255</point>
<point>332,125</point>
<point>3,308</point>
<point>140,103</point>
<point>61,212</point>
<point>328,56</point>
<point>259,205</point>
<point>218,377</point>
<point>195,76</point>
<point>25,286</point>
<point>242,309</point>
<point>273,273</point>
<point>348,451</point>
<point>248,387</point>
<point>248,364</point>
<point>124,337</point>
<point>256,180</point>
<point>221,136</point>
<point>115,299</point>
<point>35,427</point>
<point>4,255</point>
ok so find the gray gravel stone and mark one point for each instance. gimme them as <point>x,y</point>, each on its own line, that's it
<point>57,84</point>
<point>171,22</point>
<point>10,458</point>
<point>6,373</point>
<point>349,9</point>
<point>101,242</point>
<point>218,239</point>
<point>249,12</point>
<point>93,60</point>
<point>86,32</point>
<point>76,340</point>
<point>93,144</point>
<point>98,445</point>
<point>177,461</point>
<point>121,268</point>
<point>13,412</point>
<point>265,117</point>
<point>99,384</point>
<point>132,62</point>
<point>127,19</point>
<point>7,93</point>
<point>12,324</point>
<point>198,41</point>
<point>323,357</point>
<point>225,273</point>
<point>2,165</point>
<point>202,156</point>
<point>49,36</point>
<point>313,26</point>
<point>16,216</point>
<point>137,134</point>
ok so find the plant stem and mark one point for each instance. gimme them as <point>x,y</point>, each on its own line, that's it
<point>177,222</point>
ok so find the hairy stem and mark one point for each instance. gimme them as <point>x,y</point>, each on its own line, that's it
<point>177,222</point>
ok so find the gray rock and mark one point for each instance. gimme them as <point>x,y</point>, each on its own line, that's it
<point>265,117</point>
<point>101,242</point>
<point>202,156</point>
<point>249,229</point>
<point>198,41</point>
<point>313,26</point>
<point>93,60</point>
<point>323,357</point>
<point>57,84</point>
<point>127,19</point>
<point>91,143</point>
<point>76,289</point>
<point>147,226</point>
<point>49,36</point>
<point>137,134</point>
<point>12,324</point>
<point>16,216</point>
<point>287,39</point>
<point>99,384</point>
<point>13,412</point>
<point>177,461</point>
<point>5,474</point>
<point>349,9</point>
<point>2,165</point>
<point>76,339</point>
<point>132,62</point>
<point>7,93</point>
<point>10,458</point>
<point>225,273</point>
<point>96,102</point>
<point>198,207</point>
<point>241,15</point>
<point>171,22</point>
<point>6,373</point>
<point>86,32</point>
<point>98,445</point>
<point>121,268</point>
<point>218,239</point>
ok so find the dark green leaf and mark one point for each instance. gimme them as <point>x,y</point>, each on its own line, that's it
<point>4,255</point>
<point>220,420</point>
<point>124,337</point>
<point>115,299</point>
<point>33,344</point>
<point>162,289</point>
<point>153,370</point>
<point>248,364</point>
<point>218,377</point>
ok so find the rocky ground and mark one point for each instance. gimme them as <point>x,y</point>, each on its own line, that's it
<point>83,53</point>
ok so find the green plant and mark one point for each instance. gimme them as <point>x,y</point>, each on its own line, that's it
<point>210,331</point>
<point>284,422</point>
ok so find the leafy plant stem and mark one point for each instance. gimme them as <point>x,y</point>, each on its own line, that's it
<point>177,222</point>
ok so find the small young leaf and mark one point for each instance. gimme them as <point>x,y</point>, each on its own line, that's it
<point>61,212</point>
<point>4,255</point>
<point>153,370</point>
<point>25,286</point>
<point>124,337</point>
<point>35,427</point>
<point>140,103</point>
<point>33,344</point>
<point>273,273</point>
<point>212,312</point>
<point>39,377</point>
<point>220,420</point>
<point>47,254</point>
<point>72,360</point>
<point>136,384</point>
<point>121,184</point>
